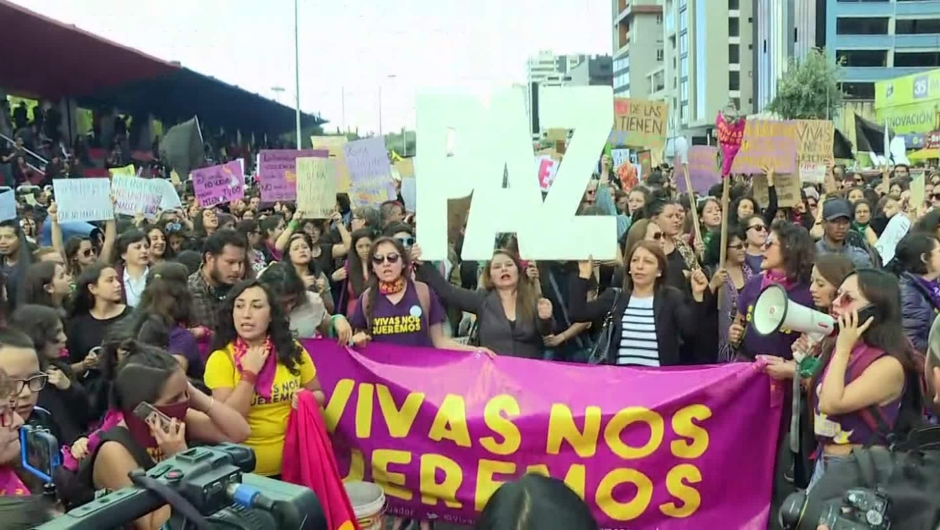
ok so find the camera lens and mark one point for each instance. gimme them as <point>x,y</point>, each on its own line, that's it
<point>792,509</point>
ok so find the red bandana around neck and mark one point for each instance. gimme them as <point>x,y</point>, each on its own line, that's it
<point>393,287</point>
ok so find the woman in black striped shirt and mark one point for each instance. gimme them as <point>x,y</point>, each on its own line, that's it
<point>649,317</point>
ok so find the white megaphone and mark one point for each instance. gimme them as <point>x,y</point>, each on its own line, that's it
<point>774,311</point>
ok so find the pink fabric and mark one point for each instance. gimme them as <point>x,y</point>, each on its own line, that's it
<point>777,277</point>
<point>11,485</point>
<point>265,382</point>
<point>309,461</point>
<point>111,419</point>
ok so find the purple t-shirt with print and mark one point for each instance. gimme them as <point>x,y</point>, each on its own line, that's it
<point>404,323</point>
<point>779,343</point>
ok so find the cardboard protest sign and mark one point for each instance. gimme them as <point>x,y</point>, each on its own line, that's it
<point>556,135</point>
<point>219,184</point>
<point>767,142</point>
<point>369,171</point>
<point>334,145</point>
<point>703,169</point>
<point>405,167</point>
<point>639,123</point>
<point>316,187</point>
<point>645,159</point>
<point>277,172</point>
<point>625,167</point>
<point>815,149</point>
<point>787,186</point>
<point>83,199</point>
<point>135,195</point>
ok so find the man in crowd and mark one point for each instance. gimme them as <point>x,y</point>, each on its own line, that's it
<point>223,265</point>
<point>837,216</point>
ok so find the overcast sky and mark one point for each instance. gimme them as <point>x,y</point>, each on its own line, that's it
<point>346,46</point>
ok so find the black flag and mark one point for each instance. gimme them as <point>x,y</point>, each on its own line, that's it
<point>182,147</point>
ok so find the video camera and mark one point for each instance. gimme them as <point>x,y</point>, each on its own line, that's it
<point>860,509</point>
<point>207,488</point>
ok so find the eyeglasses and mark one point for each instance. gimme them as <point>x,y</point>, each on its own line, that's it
<point>174,227</point>
<point>657,236</point>
<point>406,241</point>
<point>811,204</point>
<point>88,252</point>
<point>759,228</point>
<point>35,383</point>
<point>738,246</point>
<point>379,259</point>
<point>935,196</point>
<point>769,243</point>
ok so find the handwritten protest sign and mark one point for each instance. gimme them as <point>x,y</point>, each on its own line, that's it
<point>316,187</point>
<point>369,171</point>
<point>703,169</point>
<point>546,167</point>
<point>334,145</point>
<point>83,199</point>
<point>639,123</point>
<point>219,184</point>
<point>787,186</point>
<point>767,142</point>
<point>655,458</point>
<point>277,172</point>
<point>815,149</point>
<point>135,195</point>
<point>625,167</point>
<point>7,203</point>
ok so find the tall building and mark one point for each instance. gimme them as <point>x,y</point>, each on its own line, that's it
<point>549,70</point>
<point>638,28</point>
<point>708,63</point>
<point>592,71</point>
<point>783,30</point>
<point>878,40</point>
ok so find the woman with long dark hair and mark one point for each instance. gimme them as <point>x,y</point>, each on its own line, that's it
<point>150,375</point>
<point>729,278</point>
<point>917,264</point>
<point>788,262</point>
<point>305,310</point>
<point>355,274</point>
<point>256,367</point>
<point>47,283</point>
<point>160,249</point>
<point>83,250</point>
<point>307,259</point>
<point>163,318</point>
<point>869,384</point>
<point>649,314</point>
<point>15,258</point>
<point>680,257</point>
<point>94,306</point>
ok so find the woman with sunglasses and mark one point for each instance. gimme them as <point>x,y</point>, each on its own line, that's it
<point>788,262</point>
<point>917,264</point>
<point>680,257</point>
<point>755,235</point>
<point>79,250</point>
<point>395,309</point>
<point>869,384</point>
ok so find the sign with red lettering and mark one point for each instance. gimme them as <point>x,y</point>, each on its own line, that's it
<point>546,167</point>
<point>639,123</point>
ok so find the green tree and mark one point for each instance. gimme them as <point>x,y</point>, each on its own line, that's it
<point>809,90</point>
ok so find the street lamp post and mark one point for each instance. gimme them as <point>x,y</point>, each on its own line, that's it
<point>297,68</point>
<point>278,90</point>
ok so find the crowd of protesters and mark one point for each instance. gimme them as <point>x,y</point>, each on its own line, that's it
<point>198,311</point>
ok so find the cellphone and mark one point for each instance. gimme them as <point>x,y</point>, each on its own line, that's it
<point>39,452</point>
<point>144,410</point>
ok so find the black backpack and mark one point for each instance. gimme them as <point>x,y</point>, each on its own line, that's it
<point>907,475</point>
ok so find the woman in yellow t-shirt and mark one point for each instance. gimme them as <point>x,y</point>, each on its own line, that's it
<point>257,368</point>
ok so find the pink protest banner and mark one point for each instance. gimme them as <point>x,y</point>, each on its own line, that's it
<point>441,430</point>
<point>219,184</point>
<point>277,172</point>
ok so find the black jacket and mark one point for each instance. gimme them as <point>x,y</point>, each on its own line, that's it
<point>917,311</point>
<point>68,409</point>
<point>671,309</point>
